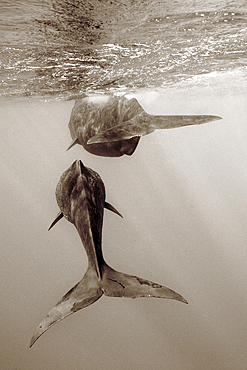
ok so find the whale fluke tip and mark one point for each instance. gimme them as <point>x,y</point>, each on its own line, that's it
<point>33,340</point>
<point>217,118</point>
<point>183,300</point>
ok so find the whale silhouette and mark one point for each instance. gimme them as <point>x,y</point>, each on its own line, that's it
<point>80,195</point>
<point>112,126</point>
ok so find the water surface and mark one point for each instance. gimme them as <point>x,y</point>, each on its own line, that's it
<point>64,48</point>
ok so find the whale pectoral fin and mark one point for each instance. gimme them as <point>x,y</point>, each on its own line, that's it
<point>111,208</point>
<point>118,284</point>
<point>83,294</point>
<point>58,217</point>
<point>74,142</point>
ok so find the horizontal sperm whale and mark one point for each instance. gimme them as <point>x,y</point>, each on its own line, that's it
<point>112,126</point>
<point>80,195</point>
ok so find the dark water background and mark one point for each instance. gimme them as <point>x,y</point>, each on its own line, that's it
<point>63,48</point>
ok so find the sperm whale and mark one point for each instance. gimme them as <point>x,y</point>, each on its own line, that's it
<point>112,126</point>
<point>80,195</point>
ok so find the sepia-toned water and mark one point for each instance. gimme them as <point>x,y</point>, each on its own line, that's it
<point>63,48</point>
<point>182,194</point>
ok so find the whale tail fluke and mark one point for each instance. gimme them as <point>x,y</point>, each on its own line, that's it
<point>90,289</point>
<point>83,294</point>
<point>118,284</point>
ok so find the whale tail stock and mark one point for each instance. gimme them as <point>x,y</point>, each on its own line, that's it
<point>166,122</point>
<point>90,289</point>
<point>145,124</point>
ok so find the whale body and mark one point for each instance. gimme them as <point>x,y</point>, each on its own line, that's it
<point>112,126</point>
<point>80,195</point>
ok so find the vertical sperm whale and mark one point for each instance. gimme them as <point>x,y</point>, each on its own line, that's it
<point>112,126</point>
<point>80,195</point>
